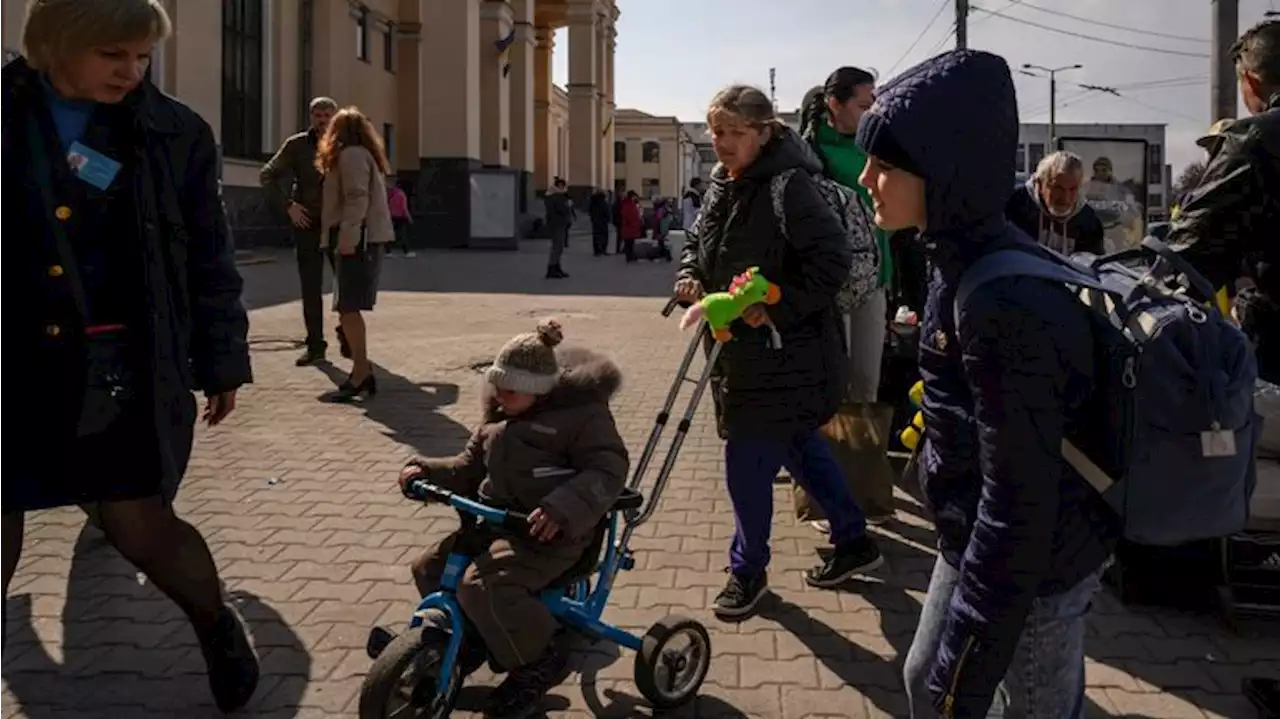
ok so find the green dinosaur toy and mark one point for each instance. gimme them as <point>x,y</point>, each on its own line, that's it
<point>720,309</point>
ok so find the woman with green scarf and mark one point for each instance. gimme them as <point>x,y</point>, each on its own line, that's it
<point>829,123</point>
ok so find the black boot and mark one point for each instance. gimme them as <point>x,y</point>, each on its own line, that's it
<point>521,693</point>
<point>555,273</point>
<point>232,664</point>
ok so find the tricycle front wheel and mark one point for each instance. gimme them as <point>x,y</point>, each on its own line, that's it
<point>673,661</point>
<point>402,680</point>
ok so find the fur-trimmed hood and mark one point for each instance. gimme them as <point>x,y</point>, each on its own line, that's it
<point>586,377</point>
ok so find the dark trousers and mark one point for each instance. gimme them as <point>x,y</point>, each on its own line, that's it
<point>311,261</point>
<point>617,239</point>
<point>751,466</point>
<point>600,239</point>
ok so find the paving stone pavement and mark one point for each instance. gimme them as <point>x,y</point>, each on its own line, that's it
<point>297,501</point>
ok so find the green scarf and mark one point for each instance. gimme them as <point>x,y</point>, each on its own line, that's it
<point>843,161</point>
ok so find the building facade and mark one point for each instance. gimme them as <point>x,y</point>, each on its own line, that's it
<point>653,155</point>
<point>461,89</point>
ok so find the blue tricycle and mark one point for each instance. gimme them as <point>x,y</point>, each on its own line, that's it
<point>419,671</point>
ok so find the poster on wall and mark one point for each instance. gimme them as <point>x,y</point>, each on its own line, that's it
<point>1115,186</point>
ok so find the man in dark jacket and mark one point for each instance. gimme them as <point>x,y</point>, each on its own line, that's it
<point>293,184</point>
<point>559,219</point>
<point>1229,224</point>
<point>1052,210</point>
<point>1022,539</point>
<point>600,216</point>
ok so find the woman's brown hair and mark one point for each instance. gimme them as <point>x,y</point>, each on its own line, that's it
<point>350,128</point>
<point>747,103</point>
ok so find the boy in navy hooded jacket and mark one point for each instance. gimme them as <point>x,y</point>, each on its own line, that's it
<point>1022,539</point>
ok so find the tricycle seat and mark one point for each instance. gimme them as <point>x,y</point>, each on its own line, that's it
<point>590,560</point>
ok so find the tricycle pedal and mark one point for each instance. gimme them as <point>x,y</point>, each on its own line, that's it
<point>379,638</point>
<point>627,563</point>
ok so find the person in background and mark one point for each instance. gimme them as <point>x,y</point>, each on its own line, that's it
<point>1052,210</point>
<point>291,182</point>
<point>401,219</point>
<point>598,209</point>
<point>615,208</point>
<point>831,116</point>
<point>356,221</point>
<point>1022,538</point>
<point>692,203</point>
<point>631,224</point>
<point>130,302</point>
<point>559,219</point>
<point>771,402</point>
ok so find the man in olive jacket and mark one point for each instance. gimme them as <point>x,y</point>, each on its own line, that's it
<point>293,184</point>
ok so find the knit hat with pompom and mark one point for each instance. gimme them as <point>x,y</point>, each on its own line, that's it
<point>528,362</point>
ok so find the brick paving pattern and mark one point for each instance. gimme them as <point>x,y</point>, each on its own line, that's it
<point>297,501</point>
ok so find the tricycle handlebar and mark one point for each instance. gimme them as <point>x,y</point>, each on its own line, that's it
<point>671,306</point>
<point>507,519</point>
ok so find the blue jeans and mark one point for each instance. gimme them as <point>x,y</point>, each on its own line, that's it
<point>1045,680</point>
<point>751,466</point>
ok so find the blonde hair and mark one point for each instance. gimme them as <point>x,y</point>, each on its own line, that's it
<point>1057,164</point>
<point>748,104</point>
<point>55,30</point>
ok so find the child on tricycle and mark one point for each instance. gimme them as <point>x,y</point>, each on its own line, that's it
<point>548,447</point>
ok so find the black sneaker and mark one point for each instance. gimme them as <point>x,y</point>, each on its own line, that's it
<point>740,595</point>
<point>232,664</point>
<point>856,557</point>
<point>520,695</point>
<point>309,357</point>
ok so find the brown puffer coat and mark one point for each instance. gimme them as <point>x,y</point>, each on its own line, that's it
<point>564,454</point>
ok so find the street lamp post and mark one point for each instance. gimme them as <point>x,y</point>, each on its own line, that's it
<point>1053,96</point>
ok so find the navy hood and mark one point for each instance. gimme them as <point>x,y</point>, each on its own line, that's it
<point>955,117</point>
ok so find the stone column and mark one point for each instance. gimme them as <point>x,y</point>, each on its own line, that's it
<point>545,42</point>
<point>610,107</point>
<point>521,83</point>
<point>584,116</point>
<point>449,124</point>
<point>495,108</point>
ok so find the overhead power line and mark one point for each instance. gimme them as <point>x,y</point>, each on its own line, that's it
<point>942,6</point>
<point>1100,23</point>
<point>1091,38</point>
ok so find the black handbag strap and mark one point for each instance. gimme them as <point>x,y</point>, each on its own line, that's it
<point>38,146</point>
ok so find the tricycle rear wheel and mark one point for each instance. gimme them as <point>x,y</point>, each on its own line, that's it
<point>673,661</point>
<point>404,677</point>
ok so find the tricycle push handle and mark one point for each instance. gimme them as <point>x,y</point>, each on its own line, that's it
<point>671,306</point>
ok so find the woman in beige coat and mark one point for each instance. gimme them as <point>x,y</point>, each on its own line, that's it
<point>355,217</point>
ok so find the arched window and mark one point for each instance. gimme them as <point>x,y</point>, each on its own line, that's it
<point>651,152</point>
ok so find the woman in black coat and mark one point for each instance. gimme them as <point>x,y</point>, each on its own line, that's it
<point>130,302</point>
<point>772,401</point>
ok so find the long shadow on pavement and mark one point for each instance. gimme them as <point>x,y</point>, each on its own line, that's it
<point>127,651</point>
<point>410,411</point>
<point>468,271</point>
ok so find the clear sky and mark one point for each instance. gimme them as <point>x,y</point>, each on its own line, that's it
<point>673,55</point>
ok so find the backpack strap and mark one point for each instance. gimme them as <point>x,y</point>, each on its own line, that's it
<point>1028,261</point>
<point>777,193</point>
<point>1042,263</point>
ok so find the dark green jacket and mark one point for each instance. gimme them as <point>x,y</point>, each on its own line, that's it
<point>843,161</point>
<point>291,175</point>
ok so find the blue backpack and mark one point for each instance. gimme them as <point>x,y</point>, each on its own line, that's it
<point>1171,430</point>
